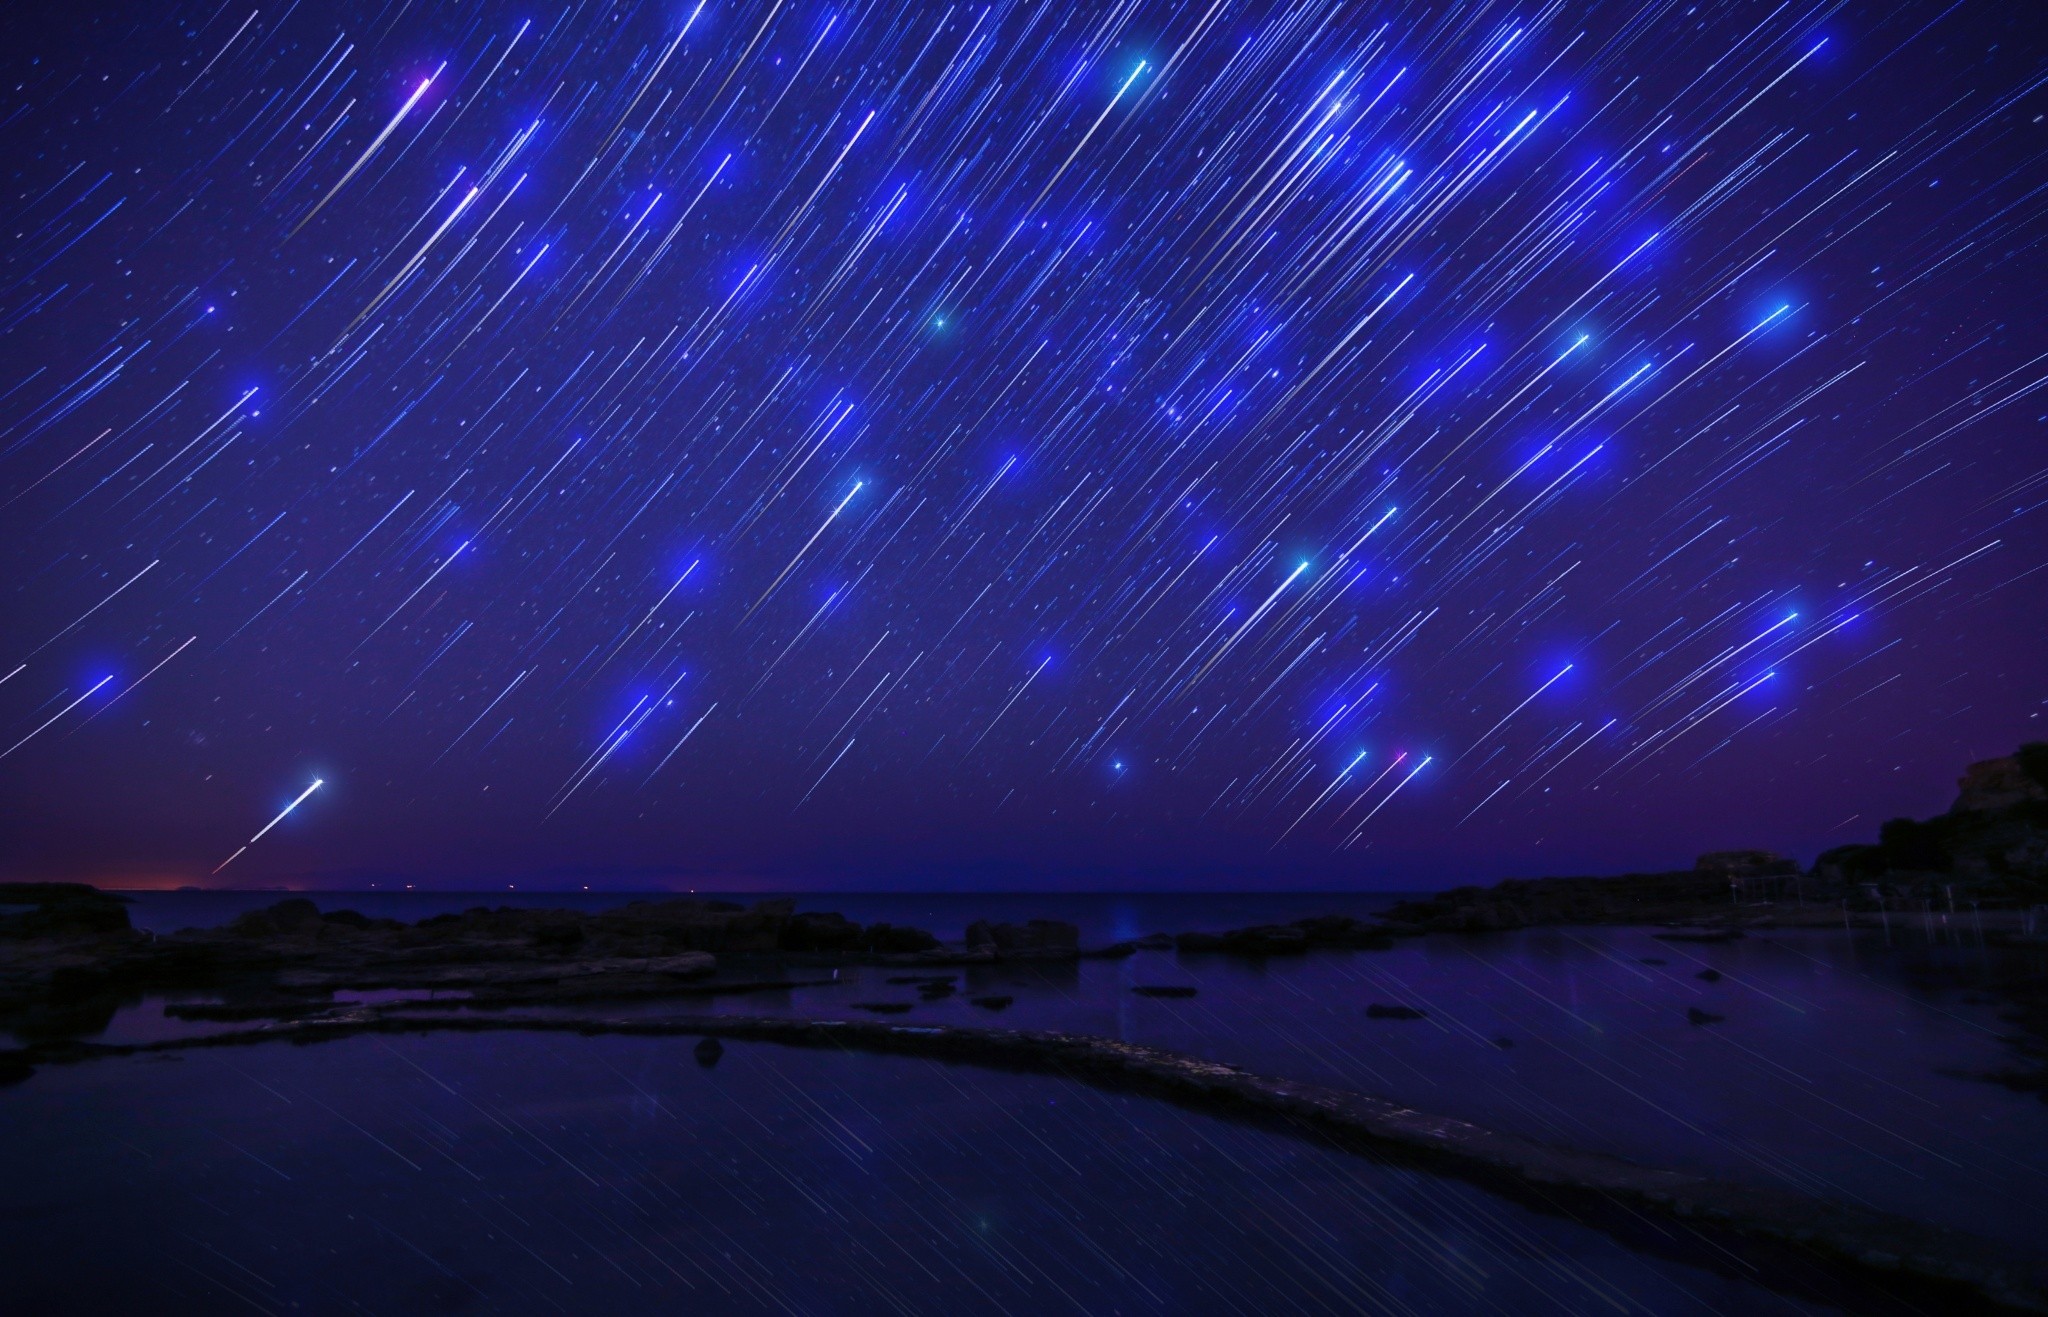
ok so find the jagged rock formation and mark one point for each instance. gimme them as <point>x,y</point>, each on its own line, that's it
<point>1996,784</point>
<point>1991,845</point>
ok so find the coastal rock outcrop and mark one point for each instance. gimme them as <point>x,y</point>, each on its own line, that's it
<point>1322,931</point>
<point>893,939</point>
<point>1991,845</point>
<point>1998,784</point>
<point>43,910</point>
<point>1259,940</point>
<point>821,931</point>
<point>1642,898</point>
<point>1035,939</point>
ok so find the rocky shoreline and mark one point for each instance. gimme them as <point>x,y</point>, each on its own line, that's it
<point>70,958</point>
<point>69,954</point>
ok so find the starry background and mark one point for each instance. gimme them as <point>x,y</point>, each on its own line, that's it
<point>1095,445</point>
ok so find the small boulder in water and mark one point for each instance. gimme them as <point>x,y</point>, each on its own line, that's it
<point>1697,1016</point>
<point>1710,975</point>
<point>1164,990</point>
<point>708,1051</point>
<point>1377,1011</point>
<point>995,1003</point>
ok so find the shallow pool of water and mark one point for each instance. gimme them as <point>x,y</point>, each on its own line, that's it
<point>515,1173</point>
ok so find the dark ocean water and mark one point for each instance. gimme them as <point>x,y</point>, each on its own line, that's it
<point>544,1173</point>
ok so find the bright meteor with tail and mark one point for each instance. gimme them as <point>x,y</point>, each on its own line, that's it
<point>268,826</point>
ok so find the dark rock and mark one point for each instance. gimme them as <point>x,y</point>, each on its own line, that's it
<point>1636,898</point>
<point>1038,937</point>
<point>1263,940</point>
<point>292,916</point>
<point>558,936</point>
<point>583,977</point>
<point>1997,784</point>
<point>1378,1011</point>
<point>883,1007</point>
<point>51,1019</point>
<point>1503,1043</point>
<point>1991,847</point>
<point>1655,960</point>
<point>1697,1016</point>
<point>59,910</point>
<point>357,920</point>
<point>992,1003</point>
<point>1745,864</point>
<point>908,980</point>
<point>77,982</point>
<point>708,1051</point>
<point>936,991</point>
<point>1710,975</point>
<point>1698,935</point>
<point>760,928</point>
<point>647,927</point>
<point>1345,932</point>
<point>261,1008</point>
<point>821,931</point>
<point>889,939</point>
<point>1164,990</point>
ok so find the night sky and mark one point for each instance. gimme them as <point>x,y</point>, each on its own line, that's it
<point>811,444</point>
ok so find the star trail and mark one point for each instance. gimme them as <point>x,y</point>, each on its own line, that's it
<point>1337,437</point>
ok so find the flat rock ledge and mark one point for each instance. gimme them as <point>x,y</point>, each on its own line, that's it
<point>1957,1271</point>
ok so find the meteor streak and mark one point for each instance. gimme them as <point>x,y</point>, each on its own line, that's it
<point>299,800</point>
<point>53,717</point>
<point>784,573</point>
